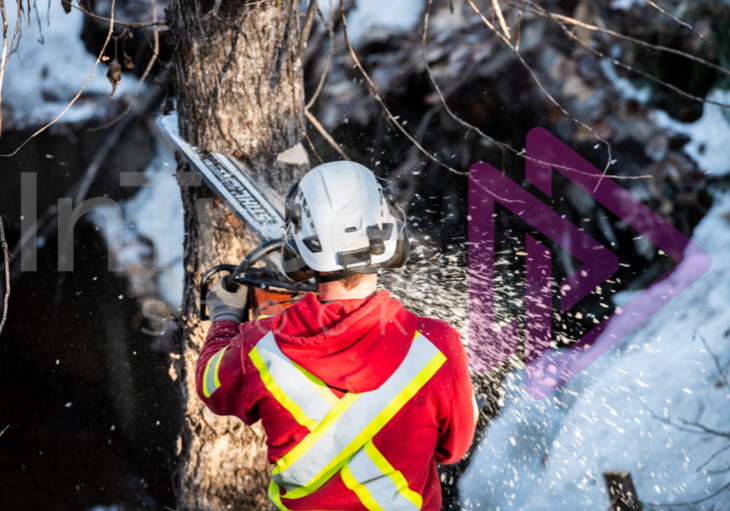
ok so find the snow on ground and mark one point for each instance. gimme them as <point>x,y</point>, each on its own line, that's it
<point>395,17</point>
<point>40,79</point>
<point>710,134</point>
<point>625,5</point>
<point>155,213</point>
<point>551,454</point>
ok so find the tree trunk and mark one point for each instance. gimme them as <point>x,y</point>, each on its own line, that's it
<point>238,86</point>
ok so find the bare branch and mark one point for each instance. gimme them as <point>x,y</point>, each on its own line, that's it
<point>500,17</point>
<point>545,92</point>
<point>327,66</point>
<point>714,357</point>
<point>714,455</point>
<point>561,20</point>
<point>677,20</point>
<point>306,29</point>
<point>2,59</point>
<point>377,97</point>
<point>619,35</point>
<point>692,503</point>
<point>519,25</point>
<point>150,64</point>
<point>468,126</point>
<point>6,257</point>
<point>132,24</point>
<point>301,122</point>
<point>503,146</point>
<point>311,118</point>
<point>98,59</point>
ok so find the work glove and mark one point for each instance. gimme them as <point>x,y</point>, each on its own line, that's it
<point>224,305</point>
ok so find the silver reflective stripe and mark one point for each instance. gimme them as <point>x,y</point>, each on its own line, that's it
<point>291,380</point>
<point>380,486</point>
<point>210,373</point>
<point>307,467</point>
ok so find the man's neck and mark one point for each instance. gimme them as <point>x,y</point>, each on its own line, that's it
<point>330,291</point>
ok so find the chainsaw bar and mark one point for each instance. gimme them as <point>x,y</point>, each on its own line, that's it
<point>231,181</point>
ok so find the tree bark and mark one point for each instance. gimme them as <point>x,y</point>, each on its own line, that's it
<point>239,89</point>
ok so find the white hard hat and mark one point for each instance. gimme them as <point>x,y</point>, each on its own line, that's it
<point>340,219</point>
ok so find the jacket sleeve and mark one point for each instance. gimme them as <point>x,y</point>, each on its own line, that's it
<point>457,430</point>
<point>219,375</point>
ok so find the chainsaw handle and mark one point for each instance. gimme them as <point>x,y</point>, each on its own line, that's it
<point>235,273</point>
<point>204,285</point>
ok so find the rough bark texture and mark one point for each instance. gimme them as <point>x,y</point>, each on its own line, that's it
<point>238,80</point>
<point>238,88</point>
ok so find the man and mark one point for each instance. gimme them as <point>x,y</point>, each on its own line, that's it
<point>359,398</point>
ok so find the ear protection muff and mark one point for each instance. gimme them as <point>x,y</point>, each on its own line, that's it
<point>403,246</point>
<point>292,211</point>
<point>294,266</point>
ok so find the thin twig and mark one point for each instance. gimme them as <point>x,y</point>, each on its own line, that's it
<point>629,68</point>
<point>519,26</point>
<point>555,102</point>
<point>322,78</point>
<point>714,357</point>
<point>560,20</point>
<point>377,97</point>
<point>155,52</point>
<point>306,28</point>
<point>618,35</point>
<point>719,451</point>
<point>2,60</point>
<point>299,118</point>
<point>130,24</point>
<point>98,59</point>
<point>677,20</point>
<point>13,48</point>
<point>500,17</point>
<point>6,256</point>
<point>692,503</point>
<point>503,146</point>
<point>468,126</point>
<point>311,118</point>
<point>699,428</point>
<point>4,430</point>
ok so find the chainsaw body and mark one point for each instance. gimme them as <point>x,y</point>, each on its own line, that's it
<point>269,292</point>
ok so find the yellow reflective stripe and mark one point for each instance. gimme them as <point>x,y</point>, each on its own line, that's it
<point>275,496</point>
<point>279,394</point>
<point>375,425</point>
<point>395,475</point>
<point>263,316</point>
<point>215,371</point>
<point>362,493</point>
<point>211,380</point>
<point>315,435</point>
<point>303,491</point>
<point>476,407</point>
<point>319,386</point>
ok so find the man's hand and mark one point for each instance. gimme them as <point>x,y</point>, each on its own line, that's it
<point>225,306</point>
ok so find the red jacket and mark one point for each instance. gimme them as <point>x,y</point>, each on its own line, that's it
<point>352,346</point>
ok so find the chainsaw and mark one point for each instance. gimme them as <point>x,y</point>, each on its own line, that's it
<point>270,291</point>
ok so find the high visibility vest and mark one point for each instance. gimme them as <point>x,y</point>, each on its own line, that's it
<point>342,430</point>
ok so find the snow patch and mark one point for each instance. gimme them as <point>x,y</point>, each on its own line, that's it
<point>602,419</point>
<point>154,213</point>
<point>41,79</point>
<point>625,5</point>
<point>710,134</point>
<point>393,16</point>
